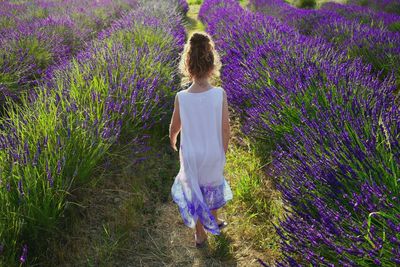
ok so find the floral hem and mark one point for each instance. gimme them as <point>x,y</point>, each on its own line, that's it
<point>214,197</point>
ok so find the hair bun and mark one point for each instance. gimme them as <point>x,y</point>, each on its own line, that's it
<point>199,39</point>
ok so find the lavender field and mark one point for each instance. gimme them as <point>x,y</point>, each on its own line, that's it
<point>317,89</point>
<point>86,93</point>
<point>87,74</point>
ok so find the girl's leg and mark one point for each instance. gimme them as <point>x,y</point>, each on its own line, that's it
<point>200,232</point>
<point>215,214</point>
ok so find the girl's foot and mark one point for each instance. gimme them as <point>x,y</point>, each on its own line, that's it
<point>200,239</point>
<point>219,221</point>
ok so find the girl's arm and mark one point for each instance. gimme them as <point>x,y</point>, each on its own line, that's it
<point>226,130</point>
<point>175,125</point>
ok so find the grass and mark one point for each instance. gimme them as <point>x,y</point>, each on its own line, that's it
<point>256,205</point>
<point>244,3</point>
<point>117,207</point>
<point>319,3</point>
<point>192,23</point>
<point>194,2</point>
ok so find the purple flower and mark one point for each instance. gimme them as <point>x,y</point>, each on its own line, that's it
<point>20,187</point>
<point>24,254</point>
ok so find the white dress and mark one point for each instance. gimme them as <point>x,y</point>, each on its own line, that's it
<point>200,185</point>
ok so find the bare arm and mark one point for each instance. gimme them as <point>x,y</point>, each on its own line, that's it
<point>226,130</point>
<point>175,125</point>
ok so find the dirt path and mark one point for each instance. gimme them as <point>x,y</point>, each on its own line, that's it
<point>192,23</point>
<point>129,219</point>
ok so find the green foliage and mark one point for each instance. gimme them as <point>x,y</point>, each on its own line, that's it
<point>244,3</point>
<point>37,212</point>
<point>394,27</point>
<point>306,3</point>
<point>384,65</point>
<point>393,7</point>
<point>6,22</point>
<point>33,11</point>
<point>37,49</point>
<point>195,2</point>
<point>257,204</point>
<point>363,2</point>
<point>20,58</point>
<point>65,114</point>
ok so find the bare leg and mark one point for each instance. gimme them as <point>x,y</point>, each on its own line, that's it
<point>215,213</point>
<point>201,234</point>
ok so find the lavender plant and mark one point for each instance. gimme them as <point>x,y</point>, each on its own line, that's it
<point>38,34</point>
<point>377,46</point>
<point>335,126</point>
<point>365,15</point>
<point>118,87</point>
<point>184,6</point>
<point>391,6</point>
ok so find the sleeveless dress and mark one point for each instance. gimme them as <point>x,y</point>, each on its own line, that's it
<point>200,185</point>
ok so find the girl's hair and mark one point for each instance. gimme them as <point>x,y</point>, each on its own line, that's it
<point>199,58</point>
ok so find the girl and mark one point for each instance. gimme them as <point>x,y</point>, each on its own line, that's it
<point>201,115</point>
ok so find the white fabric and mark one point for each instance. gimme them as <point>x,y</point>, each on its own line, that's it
<point>201,152</point>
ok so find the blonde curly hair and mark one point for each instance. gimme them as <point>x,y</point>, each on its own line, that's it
<point>199,58</point>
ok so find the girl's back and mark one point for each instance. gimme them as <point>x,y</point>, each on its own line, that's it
<point>201,138</point>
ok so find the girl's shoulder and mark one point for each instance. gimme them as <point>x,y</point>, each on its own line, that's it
<point>185,91</point>
<point>180,92</point>
<point>221,89</point>
<point>218,88</point>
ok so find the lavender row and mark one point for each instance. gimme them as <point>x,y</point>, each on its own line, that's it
<point>184,6</point>
<point>335,128</point>
<point>377,46</point>
<point>365,15</point>
<point>38,34</point>
<point>118,87</point>
<point>391,6</point>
